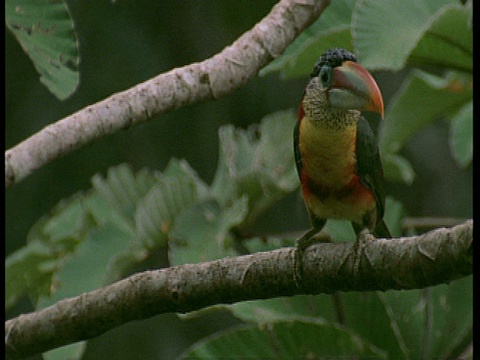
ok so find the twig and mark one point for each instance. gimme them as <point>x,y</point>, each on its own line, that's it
<point>209,79</point>
<point>439,256</point>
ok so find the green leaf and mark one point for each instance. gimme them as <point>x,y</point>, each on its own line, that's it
<point>30,269</point>
<point>284,340</point>
<point>448,41</point>
<point>158,210</point>
<point>461,135</point>
<point>394,215</point>
<point>386,32</point>
<point>434,321</point>
<point>422,99</point>
<point>256,163</point>
<point>45,31</point>
<point>318,307</point>
<point>122,189</point>
<point>397,168</point>
<point>201,232</point>
<point>74,277</point>
<point>181,169</point>
<point>71,352</point>
<point>331,30</point>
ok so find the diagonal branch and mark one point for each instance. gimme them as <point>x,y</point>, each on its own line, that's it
<point>209,79</point>
<point>439,256</point>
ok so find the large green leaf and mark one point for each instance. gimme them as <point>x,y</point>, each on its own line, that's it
<point>422,99</point>
<point>448,41</point>
<point>386,32</point>
<point>332,29</point>
<point>45,31</point>
<point>285,340</point>
<point>432,322</point>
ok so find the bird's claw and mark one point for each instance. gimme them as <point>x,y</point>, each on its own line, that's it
<point>302,244</point>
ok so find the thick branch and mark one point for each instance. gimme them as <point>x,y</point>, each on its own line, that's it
<point>439,256</point>
<point>209,79</point>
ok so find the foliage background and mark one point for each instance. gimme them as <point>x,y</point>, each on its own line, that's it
<point>126,42</point>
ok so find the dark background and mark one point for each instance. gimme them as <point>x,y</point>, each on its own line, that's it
<point>123,43</point>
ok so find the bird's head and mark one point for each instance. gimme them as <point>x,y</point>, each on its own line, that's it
<point>344,84</point>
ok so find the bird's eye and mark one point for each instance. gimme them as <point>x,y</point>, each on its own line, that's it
<point>325,76</point>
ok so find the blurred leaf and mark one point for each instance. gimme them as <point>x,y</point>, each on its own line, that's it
<point>122,189</point>
<point>461,135</point>
<point>257,163</point>
<point>422,99</point>
<point>394,214</point>
<point>397,168</point>
<point>74,277</point>
<point>452,317</point>
<point>158,210</point>
<point>267,243</point>
<point>199,233</point>
<point>181,168</point>
<point>45,31</point>
<point>386,32</point>
<point>432,321</point>
<point>30,269</point>
<point>285,340</point>
<point>318,307</point>
<point>71,352</point>
<point>448,41</point>
<point>331,30</point>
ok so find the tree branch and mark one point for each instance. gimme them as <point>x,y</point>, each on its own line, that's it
<point>209,79</point>
<point>439,256</point>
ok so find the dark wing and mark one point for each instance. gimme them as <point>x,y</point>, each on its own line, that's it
<point>369,166</point>
<point>296,149</point>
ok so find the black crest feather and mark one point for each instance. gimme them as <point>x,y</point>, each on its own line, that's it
<point>333,57</point>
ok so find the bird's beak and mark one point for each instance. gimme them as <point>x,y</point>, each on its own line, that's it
<point>353,87</point>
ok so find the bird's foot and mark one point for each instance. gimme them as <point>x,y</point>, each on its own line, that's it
<point>302,244</point>
<point>363,237</point>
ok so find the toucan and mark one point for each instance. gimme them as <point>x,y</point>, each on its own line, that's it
<point>336,153</point>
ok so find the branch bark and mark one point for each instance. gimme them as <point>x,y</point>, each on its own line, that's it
<point>209,79</point>
<point>439,256</point>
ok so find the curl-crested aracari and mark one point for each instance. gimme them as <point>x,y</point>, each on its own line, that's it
<point>336,153</point>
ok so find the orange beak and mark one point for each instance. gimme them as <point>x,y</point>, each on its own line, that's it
<point>354,88</point>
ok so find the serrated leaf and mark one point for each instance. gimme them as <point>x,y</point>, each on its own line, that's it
<point>157,211</point>
<point>256,163</point>
<point>181,168</point>
<point>422,99</point>
<point>461,135</point>
<point>122,189</point>
<point>386,32</point>
<point>23,275</point>
<point>45,31</point>
<point>286,340</point>
<point>30,269</point>
<point>200,233</point>
<point>331,30</point>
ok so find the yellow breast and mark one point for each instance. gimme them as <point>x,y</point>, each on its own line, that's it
<point>328,153</point>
